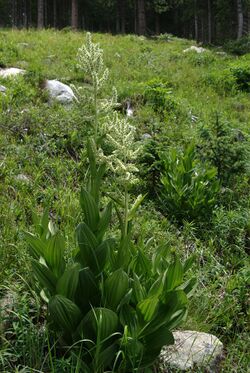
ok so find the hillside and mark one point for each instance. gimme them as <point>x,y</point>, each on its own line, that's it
<point>196,104</point>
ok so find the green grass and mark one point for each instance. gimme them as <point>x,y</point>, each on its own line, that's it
<point>46,144</point>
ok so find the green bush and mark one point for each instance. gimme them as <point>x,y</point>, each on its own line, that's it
<point>159,95</point>
<point>189,188</point>
<point>238,47</point>
<point>241,74</point>
<point>226,148</point>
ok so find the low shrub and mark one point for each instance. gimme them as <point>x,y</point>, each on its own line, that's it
<point>226,148</point>
<point>159,94</point>
<point>238,47</point>
<point>189,188</point>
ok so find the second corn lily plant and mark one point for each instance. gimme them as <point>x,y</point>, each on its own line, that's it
<point>112,307</point>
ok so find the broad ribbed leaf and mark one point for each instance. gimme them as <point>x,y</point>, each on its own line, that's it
<point>188,263</point>
<point>90,209</point>
<point>87,243</point>
<point>189,286</point>
<point>54,254</point>
<point>65,314</point>
<point>161,337</point>
<point>115,288</point>
<point>153,344</point>
<point>139,292</point>
<point>104,220</point>
<point>175,301</point>
<point>135,206</point>
<point>174,276</point>
<point>68,282</point>
<point>87,293</point>
<point>128,317</point>
<point>148,308</point>
<point>101,322</point>
<point>101,254</point>
<point>44,275</point>
<point>37,246</point>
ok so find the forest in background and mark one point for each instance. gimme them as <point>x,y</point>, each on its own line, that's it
<point>207,21</point>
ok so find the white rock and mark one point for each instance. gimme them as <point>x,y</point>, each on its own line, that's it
<point>195,49</point>
<point>23,178</point>
<point>146,136</point>
<point>24,45</point>
<point>2,88</point>
<point>192,349</point>
<point>11,72</point>
<point>59,91</point>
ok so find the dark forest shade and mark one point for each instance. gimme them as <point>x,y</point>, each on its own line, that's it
<point>208,21</point>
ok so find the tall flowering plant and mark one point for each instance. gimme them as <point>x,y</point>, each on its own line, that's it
<point>112,307</point>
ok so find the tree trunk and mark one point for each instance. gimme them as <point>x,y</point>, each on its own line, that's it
<point>157,24</point>
<point>141,17</point>
<point>240,19</point>
<point>196,28</point>
<point>74,14</point>
<point>40,14</point>
<point>123,16</point>
<point>209,13</point>
<point>25,14</point>
<point>54,14</point>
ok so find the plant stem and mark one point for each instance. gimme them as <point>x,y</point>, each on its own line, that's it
<point>126,200</point>
<point>95,114</point>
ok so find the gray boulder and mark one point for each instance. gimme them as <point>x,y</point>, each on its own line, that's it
<point>192,350</point>
<point>59,91</point>
<point>2,89</point>
<point>22,178</point>
<point>193,48</point>
<point>11,72</point>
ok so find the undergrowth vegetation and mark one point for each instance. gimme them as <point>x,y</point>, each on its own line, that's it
<point>166,186</point>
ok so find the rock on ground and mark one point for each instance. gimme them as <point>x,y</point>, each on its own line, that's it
<point>192,349</point>
<point>59,91</point>
<point>2,88</point>
<point>11,72</point>
<point>195,49</point>
<point>23,178</point>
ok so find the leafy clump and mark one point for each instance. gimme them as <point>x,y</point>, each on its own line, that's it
<point>189,188</point>
<point>158,94</point>
<point>238,47</point>
<point>226,148</point>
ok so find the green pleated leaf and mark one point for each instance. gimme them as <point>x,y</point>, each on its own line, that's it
<point>87,292</point>
<point>37,246</point>
<point>128,317</point>
<point>64,313</point>
<point>173,302</point>
<point>90,209</point>
<point>68,282</point>
<point>188,263</point>
<point>99,323</point>
<point>87,243</point>
<point>148,308</point>
<point>54,254</point>
<point>161,337</point>
<point>104,220</point>
<point>174,276</point>
<point>139,293</point>
<point>44,275</point>
<point>115,288</point>
<point>153,344</point>
<point>189,286</point>
<point>135,206</point>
